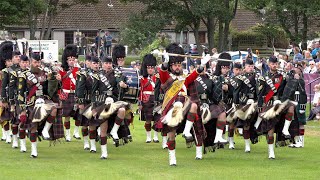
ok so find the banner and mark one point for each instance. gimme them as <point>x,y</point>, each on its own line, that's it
<point>309,87</point>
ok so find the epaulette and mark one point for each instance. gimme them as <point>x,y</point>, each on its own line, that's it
<point>14,73</point>
<point>96,76</point>
<point>5,70</point>
<point>23,74</point>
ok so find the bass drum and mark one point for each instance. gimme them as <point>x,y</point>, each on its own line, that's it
<point>132,78</point>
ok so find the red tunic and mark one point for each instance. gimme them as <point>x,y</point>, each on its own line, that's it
<point>67,82</point>
<point>164,76</point>
<point>147,86</point>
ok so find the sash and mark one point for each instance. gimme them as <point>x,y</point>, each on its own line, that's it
<point>36,84</point>
<point>271,92</point>
<point>105,81</point>
<point>204,86</point>
<point>172,94</point>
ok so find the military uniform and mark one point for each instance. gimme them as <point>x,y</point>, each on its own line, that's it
<point>245,97</point>
<point>37,96</point>
<point>67,92</point>
<point>83,96</point>
<point>147,97</point>
<point>6,116</point>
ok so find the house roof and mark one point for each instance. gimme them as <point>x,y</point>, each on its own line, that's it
<point>100,16</point>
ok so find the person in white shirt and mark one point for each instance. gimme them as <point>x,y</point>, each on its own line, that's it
<point>311,68</point>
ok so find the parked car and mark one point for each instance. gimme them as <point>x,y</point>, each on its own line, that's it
<point>235,55</point>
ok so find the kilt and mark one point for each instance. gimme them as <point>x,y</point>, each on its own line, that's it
<point>57,130</point>
<point>30,111</point>
<point>147,109</point>
<point>267,125</point>
<point>179,128</point>
<point>216,110</point>
<point>6,115</point>
<point>17,110</point>
<point>68,106</point>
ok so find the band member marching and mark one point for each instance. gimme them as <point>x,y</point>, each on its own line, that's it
<point>295,91</point>
<point>271,88</point>
<point>67,92</point>
<point>176,104</point>
<point>118,60</point>
<point>237,70</point>
<point>146,97</point>
<point>245,97</point>
<point>6,52</point>
<point>211,111</point>
<point>38,100</point>
<point>13,96</point>
<point>107,109</point>
<point>83,96</point>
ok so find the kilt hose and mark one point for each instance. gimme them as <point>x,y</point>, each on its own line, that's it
<point>68,106</point>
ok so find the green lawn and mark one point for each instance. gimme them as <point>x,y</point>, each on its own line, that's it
<point>139,160</point>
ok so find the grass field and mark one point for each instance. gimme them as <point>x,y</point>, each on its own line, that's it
<point>139,160</point>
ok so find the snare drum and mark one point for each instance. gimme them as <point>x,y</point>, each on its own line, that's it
<point>132,77</point>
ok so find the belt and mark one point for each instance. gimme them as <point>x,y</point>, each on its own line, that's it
<point>148,92</point>
<point>68,91</point>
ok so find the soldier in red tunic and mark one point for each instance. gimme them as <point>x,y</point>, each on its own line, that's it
<point>146,97</point>
<point>67,92</point>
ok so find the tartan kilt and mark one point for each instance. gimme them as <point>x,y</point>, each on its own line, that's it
<point>147,109</point>
<point>267,125</point>
<point>216,110</point>
<point>57,130</point>
<point>6,115</point>
<point>68,106</point>
<point>179,128</point>
<point>15,119</point>
<point>157,121</point>
<point>30,113</point>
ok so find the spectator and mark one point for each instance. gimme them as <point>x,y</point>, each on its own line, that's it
<point>132,64</point>
<point>297,55</point>
<point>214,51</point>
<point>307,55</point>
<point>107,40</point>
<point>318,67</point>
<point>286,58</point>
<point>317,59</point>
<point>288,67</point>
<point>315,50</point>
<point>304,65</point>
<point>311,69</point>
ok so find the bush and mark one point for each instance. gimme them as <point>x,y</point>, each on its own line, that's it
<point>160,43</point>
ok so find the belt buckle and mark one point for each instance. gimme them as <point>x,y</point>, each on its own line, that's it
<point>203,96</point>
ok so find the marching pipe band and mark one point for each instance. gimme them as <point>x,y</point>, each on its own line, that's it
<point>202,105</point>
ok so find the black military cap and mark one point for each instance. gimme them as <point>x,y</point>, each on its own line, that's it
<point>237,65</point>
<point>273,59</point>
<point>107,59</point>
<point>24,58</point>
<point>94,59</point>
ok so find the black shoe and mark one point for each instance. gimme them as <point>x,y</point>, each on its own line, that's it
<point>93,151</point>
<point>156,141</point>
<point>33,156</point>
<point>116,142</point>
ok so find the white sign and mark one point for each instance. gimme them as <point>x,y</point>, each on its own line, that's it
<point>49,48</point>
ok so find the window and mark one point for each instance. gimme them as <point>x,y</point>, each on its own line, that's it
<point>184,38</point>
<point>68,37</point>
<point>202,37</point>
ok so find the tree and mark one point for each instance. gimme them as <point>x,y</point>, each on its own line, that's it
<point>10,13</point>
<point>140,30</point>
<point>293,16</point>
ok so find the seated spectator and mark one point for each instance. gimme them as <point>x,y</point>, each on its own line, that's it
<point>315,50</point>
<point>311,69</point>
<point>307,55</point>
<point>297,55</point>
